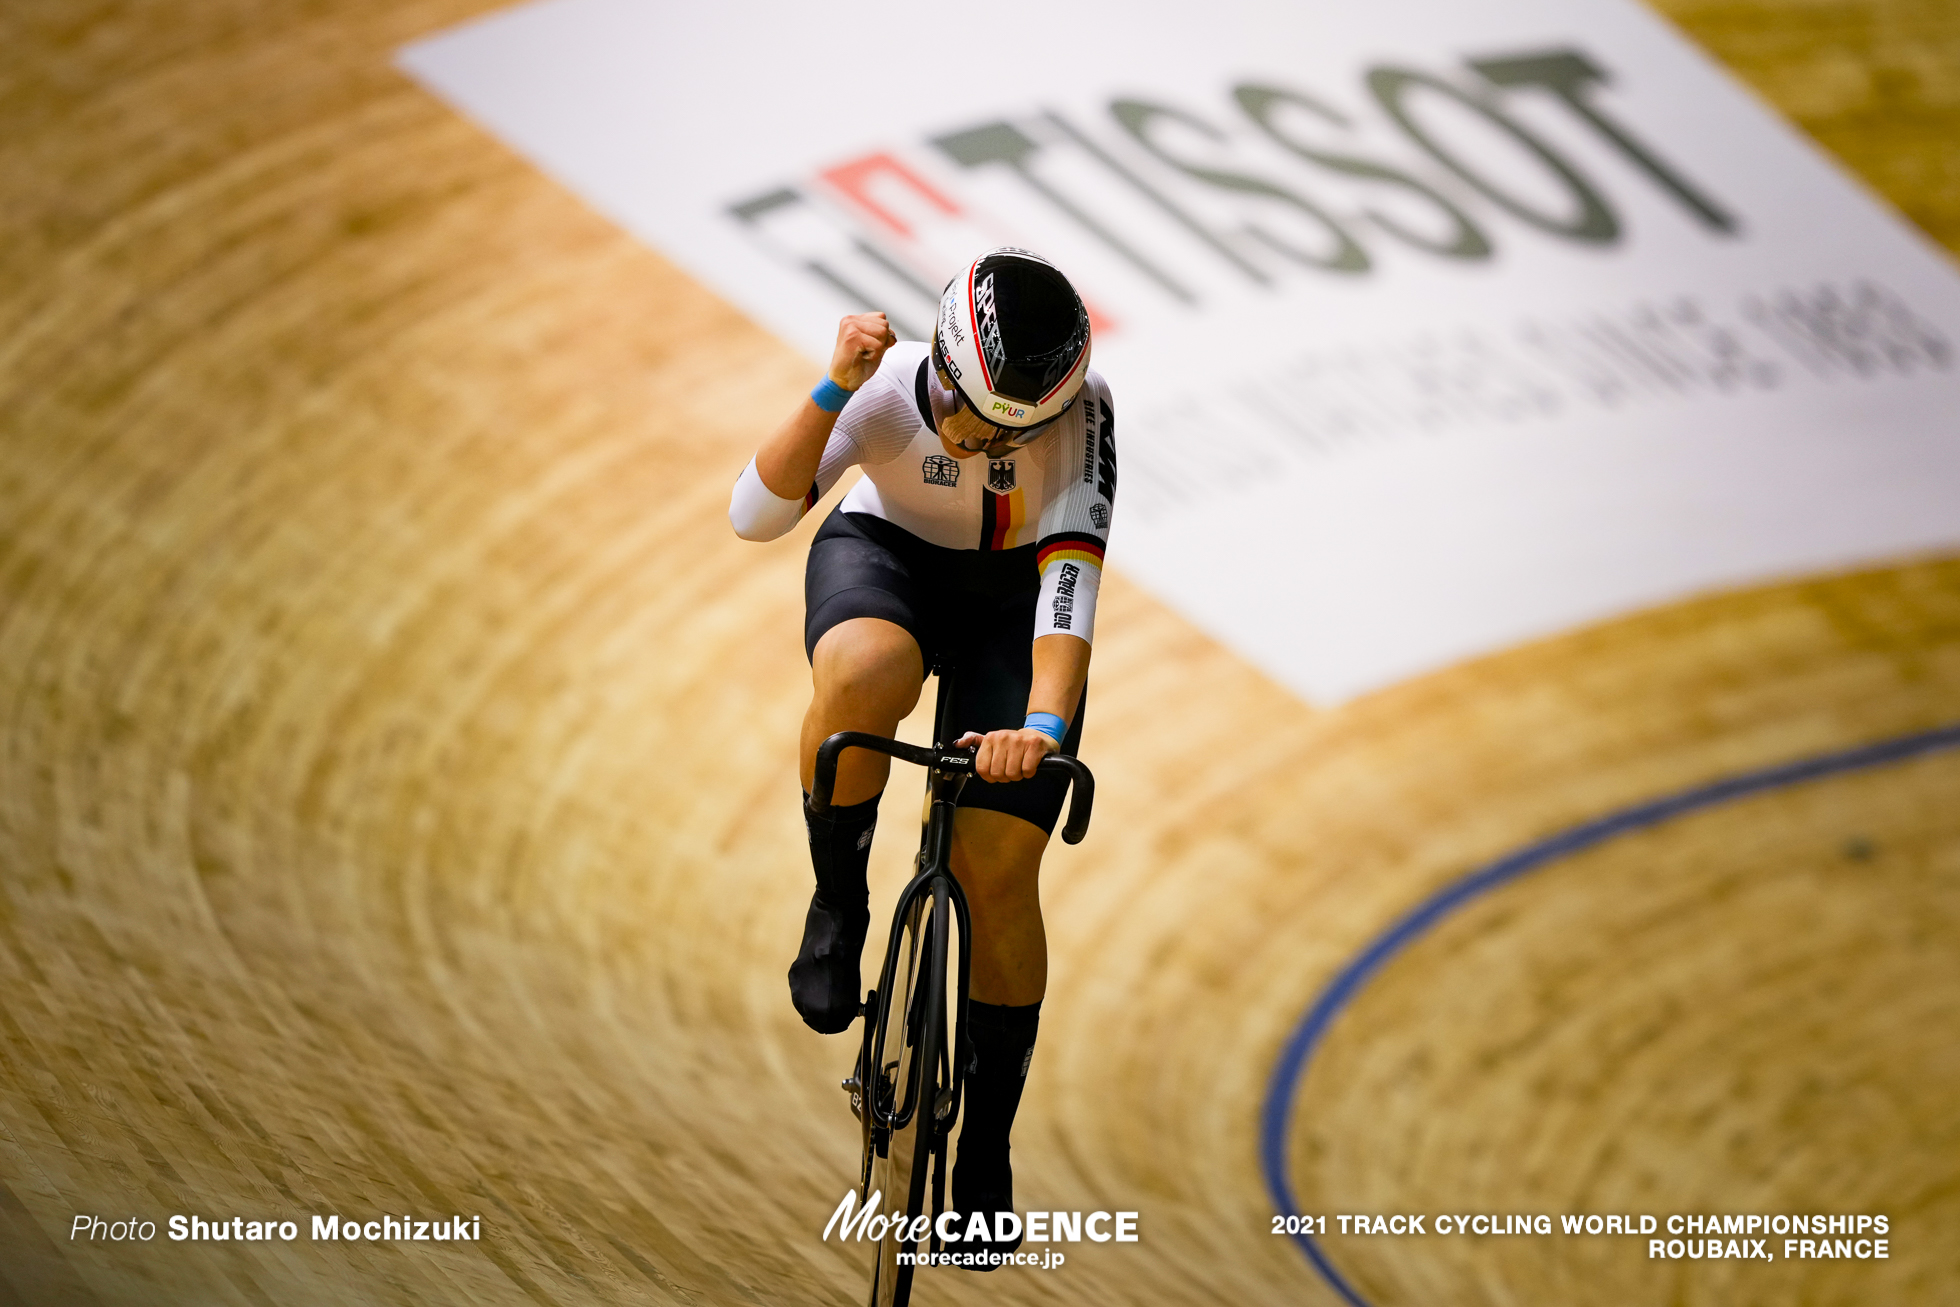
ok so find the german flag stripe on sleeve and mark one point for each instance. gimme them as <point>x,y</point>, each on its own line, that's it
<point>1069,547</point>
<point>810,500</point>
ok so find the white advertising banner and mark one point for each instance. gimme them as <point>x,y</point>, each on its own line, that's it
<point>1432,325</point>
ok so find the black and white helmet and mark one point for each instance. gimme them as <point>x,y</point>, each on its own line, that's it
<point>1013,338</point>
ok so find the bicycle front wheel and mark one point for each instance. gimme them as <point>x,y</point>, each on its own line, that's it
<point>915,1080</point>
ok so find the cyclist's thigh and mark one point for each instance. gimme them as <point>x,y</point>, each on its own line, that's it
<point>994,849</point>
<point>850,574</point>
<point>996,669</point>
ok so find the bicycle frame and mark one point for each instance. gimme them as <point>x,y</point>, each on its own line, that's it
<point>947,771</point>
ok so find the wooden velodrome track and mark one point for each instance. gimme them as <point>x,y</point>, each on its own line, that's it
<point>397,812</point>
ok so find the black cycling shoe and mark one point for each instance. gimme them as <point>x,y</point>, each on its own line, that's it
<point>823,981</point>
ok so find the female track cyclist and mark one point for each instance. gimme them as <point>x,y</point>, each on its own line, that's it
<point>975,538</point>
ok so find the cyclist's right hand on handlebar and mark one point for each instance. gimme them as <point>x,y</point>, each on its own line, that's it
<point>1007,755</point>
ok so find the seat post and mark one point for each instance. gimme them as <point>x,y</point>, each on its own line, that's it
<point>942,727</point>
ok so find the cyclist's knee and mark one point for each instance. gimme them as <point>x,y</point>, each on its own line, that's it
<point>870,665</point>
<point>997,855</point>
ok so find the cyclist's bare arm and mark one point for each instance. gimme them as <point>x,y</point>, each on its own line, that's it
<point>787,460</point>
<point>1061,667</point>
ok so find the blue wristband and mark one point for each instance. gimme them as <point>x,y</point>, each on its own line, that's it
<point>1048,724</point>
<point>829,396</point>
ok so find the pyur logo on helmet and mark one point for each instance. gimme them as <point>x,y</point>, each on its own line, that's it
<point>1013,338</point>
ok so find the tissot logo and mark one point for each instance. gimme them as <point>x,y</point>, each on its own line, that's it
<point>1498,310</point>
<point>1481,160</point>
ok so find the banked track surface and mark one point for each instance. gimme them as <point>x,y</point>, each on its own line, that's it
<point>395,808</point>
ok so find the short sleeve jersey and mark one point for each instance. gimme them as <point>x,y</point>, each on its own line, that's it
<point>1057,493</point>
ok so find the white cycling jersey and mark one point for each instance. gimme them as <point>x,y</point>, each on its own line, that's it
<point>1057,492</point>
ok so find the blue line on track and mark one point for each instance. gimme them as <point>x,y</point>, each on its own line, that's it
<point>1275,1116</point>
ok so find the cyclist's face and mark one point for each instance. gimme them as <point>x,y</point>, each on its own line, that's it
<point>963,429</point>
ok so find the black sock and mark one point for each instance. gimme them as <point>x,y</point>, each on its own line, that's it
<point>840,849</point>
<point>1003,1048</point>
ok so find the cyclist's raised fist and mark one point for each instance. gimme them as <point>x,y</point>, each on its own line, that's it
<point>862,340</point>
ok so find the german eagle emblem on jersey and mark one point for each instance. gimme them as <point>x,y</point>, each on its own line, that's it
<point>1000,476</point>
<point>941,470</point>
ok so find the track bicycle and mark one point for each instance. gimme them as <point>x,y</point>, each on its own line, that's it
<point>905,1086</point>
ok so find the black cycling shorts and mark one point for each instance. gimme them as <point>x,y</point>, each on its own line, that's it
<point>970,609</point>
